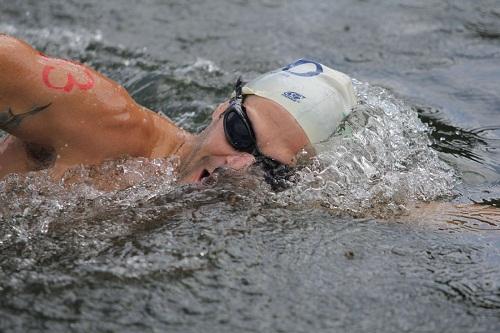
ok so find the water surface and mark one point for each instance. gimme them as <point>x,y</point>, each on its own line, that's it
<point>351,245</point>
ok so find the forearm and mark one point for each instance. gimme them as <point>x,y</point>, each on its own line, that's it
<point>435,212</point>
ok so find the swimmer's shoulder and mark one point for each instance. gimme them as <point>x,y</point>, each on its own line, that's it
<point>28,72</point>
<point>47,100</point>
<point>31,79</point>
<point>12,48</point>
<point>16,57</point>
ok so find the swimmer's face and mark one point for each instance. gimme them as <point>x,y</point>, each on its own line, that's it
<point>278,136</point>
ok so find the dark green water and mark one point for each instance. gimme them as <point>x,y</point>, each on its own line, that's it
<point>335,252</point>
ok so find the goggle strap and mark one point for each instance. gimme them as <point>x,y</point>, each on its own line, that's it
<point>238,88</point>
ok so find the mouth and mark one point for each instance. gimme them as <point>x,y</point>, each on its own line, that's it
<point>203,175</point>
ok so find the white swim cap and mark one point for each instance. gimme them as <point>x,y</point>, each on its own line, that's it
<point>318,97</point>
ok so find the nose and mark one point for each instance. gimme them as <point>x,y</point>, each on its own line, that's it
<point>239,161</point>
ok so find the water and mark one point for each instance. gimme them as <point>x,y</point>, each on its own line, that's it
<point>364,239</point>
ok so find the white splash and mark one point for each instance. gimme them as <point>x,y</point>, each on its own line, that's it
<point>378,161</point>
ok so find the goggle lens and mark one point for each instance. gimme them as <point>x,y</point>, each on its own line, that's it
<point>238,131</point>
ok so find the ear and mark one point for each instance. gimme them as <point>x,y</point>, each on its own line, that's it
<point>240,161</point>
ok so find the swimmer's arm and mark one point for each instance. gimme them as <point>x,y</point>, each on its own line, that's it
<point>486,214</point>
<point>19,98</point>
<point>10,120</point>
<point>47,100</point>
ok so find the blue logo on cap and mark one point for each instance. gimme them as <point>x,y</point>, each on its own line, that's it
<point>317,71</point>
<point>294,96</point>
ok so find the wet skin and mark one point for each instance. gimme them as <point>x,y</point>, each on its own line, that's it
<point>60,114</point>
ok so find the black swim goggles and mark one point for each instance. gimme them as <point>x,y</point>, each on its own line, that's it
<point>237,126</point>
<point>241,136</point>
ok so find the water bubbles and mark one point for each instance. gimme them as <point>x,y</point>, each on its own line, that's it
<point>201,65</point>
<point>378,161</point>
<point>44,226</point>
<point>98,35</point>
<point>33,203</point>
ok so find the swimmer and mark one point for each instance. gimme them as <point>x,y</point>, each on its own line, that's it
<point>61,113</point>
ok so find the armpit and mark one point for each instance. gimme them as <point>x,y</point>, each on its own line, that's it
<point>43,157</point>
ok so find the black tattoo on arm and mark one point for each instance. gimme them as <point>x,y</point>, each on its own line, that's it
<point>9,120</point>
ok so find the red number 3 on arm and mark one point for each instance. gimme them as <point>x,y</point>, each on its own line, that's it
<point>77,76</point>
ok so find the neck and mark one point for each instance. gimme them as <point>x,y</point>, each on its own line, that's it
<point>171,140</point>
